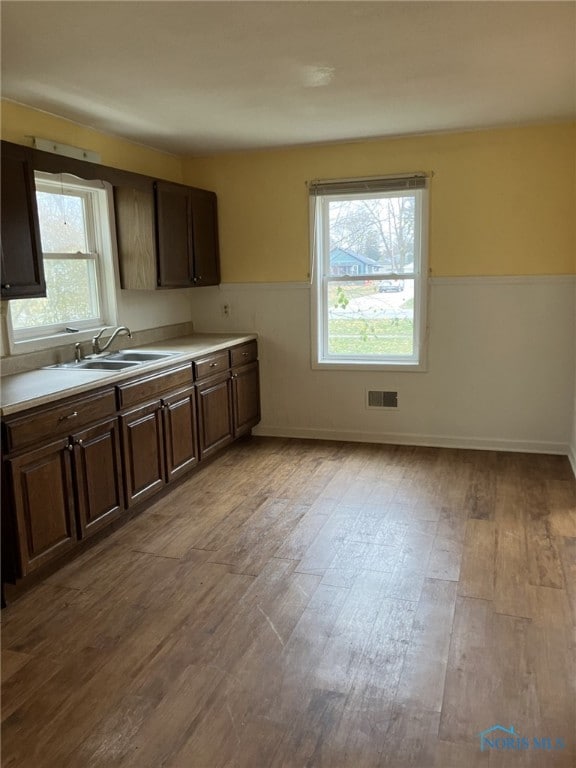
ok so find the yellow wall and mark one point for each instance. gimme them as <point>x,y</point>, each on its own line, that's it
<point>502,201</point>
<point>18,123</point>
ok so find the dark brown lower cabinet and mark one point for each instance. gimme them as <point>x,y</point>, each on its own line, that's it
<point>246,398</point>
<point>215,427</point>
<point>43,504</point>
<point>180,429</point>
<point>142,442</point>
<point>159,443</point>
<point>95,461</point>
<point>98,476</point>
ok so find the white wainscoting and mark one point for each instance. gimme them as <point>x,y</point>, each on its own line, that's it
<point>501,366</point>
<point>572,448</point>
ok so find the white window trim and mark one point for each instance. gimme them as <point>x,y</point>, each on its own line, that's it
<point>421,290</point>
<point>101,227</point>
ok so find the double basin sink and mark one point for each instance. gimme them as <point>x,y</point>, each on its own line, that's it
<point>115,361</point>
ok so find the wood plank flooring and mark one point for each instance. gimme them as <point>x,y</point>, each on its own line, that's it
<point>302,604</point>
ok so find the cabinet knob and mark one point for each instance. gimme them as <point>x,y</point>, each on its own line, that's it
<point>78,442</point>
<point>245,354</point>
<point>69,447</point>
<point>213,365</point>
<point>7,286</point>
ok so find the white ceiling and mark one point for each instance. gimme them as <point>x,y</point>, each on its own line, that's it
<point>199,77</point>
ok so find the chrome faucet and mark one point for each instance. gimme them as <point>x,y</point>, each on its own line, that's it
<point>97,349</point>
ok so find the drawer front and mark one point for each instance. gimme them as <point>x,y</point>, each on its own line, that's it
<point>59,420</point>
<point>245,353</point>
<point>150,387</point>
<point>211,365</point>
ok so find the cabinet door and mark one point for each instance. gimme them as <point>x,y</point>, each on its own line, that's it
<point>142,443</point>
<point>43,504</point>
<point>174,238</point>
<point>180,430</point>
<point>136,236</point>
<point>246,398</point>
<point>205,238</point>
<point>98,476</point>
<point>214,414</point>
<point>22,264</point>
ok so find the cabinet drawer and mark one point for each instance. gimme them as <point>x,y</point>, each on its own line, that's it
<point>211,364</point>
<point>149,387</point>
<point>245,353</point>
<point>62,419</point>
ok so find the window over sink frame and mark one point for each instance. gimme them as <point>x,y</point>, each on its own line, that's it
<point>95,262</point>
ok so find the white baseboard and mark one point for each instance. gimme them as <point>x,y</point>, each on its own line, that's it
<point>431,441</point>
<point>572,457</point>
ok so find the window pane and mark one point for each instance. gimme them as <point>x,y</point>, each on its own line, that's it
<point>372,235</point>
<point>70,296</point>
<point>371,318</point>
<point>62,223</point>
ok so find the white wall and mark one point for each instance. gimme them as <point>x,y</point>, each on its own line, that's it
<point>572,452</point>
<point>501,366</point>
<point>140,310</point>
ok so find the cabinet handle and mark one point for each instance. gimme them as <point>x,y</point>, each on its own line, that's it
<point>245,354</point>
<point>70,416</point>
<point>79,442</point>
<point>213,365</point>
<point>69,447</point>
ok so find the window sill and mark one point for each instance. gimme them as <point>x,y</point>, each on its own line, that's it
<point>363,365</point>
<point>51,342</point>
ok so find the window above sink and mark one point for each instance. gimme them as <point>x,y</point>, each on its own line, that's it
<point>77,251</point>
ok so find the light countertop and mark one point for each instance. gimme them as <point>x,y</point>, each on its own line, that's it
<point>44,386</point>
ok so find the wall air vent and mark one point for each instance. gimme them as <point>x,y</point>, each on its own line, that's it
<point>379,399</point>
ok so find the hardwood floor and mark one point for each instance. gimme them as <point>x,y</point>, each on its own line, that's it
<point>309,604</point>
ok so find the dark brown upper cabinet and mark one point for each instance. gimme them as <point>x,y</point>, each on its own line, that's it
<point>167,236</point>
<point>205,237</point>
<point>167,233</point>
<point>22,264</point>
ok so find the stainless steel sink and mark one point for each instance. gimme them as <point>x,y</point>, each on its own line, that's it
<point>115,361</point>
<point>105,365</point>
<point>96,365</point>
<point>140,356</point>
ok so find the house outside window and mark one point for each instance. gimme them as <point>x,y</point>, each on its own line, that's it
<point>369,242</point>
<point>76,246</point>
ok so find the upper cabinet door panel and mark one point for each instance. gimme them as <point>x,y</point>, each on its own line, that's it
<point>167,236</point>
<point>205,238</point>
<point>22,265</point>
<point>136,236</point>
<point>174,251</point>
